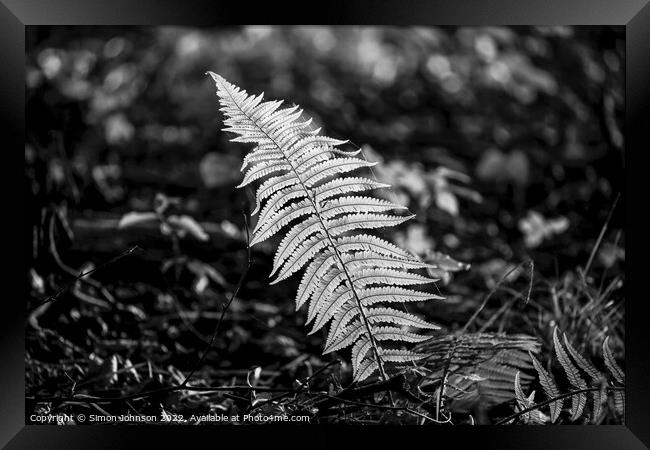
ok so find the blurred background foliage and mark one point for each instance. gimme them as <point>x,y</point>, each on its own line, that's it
<point>506,142</point>
<point>533,115</point>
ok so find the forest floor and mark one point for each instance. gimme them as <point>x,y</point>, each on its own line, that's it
<point>135,321</point>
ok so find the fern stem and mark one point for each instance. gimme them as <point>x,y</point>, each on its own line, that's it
<point>310,196</point>
<point>445,376</point>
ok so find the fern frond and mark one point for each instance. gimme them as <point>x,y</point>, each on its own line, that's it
<point>610,362</point>
<point>304,192</point>
<point>531,417</point>
<point>550,388</point>
<point>619,402</point>
<point>522,400</point>
<point>617,373</point>
<point>582,362</point>
<point>578,401</point>
<point>597,405</point>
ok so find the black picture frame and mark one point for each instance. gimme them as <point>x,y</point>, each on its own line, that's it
<point>633,14</point>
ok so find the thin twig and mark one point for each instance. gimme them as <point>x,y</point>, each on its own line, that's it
<point>84,274</point>
<point>300,388</point>
<point>494,289</point>
<point>384,407</point>
<point>240,283</point>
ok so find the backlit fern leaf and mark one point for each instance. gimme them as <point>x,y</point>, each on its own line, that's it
<point>304,189</point>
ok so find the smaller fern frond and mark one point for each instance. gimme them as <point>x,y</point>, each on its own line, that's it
<point>619,402</point>
<point>593,373</point>
<point>617,373</point>
<point>582,362</point>
<point>534,417</point>
<point>578,401</point>
<point>550,388</point>
<point>610,362</point>
<point>572,362</point>
<point>522,400</point>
